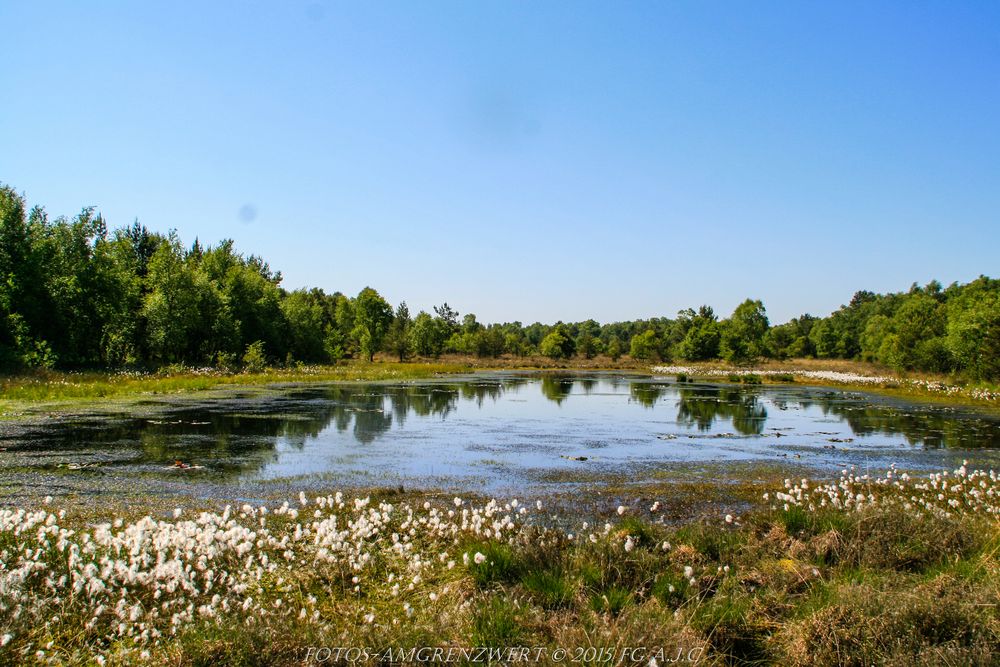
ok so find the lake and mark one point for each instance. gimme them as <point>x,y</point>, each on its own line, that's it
<point>496,432</point>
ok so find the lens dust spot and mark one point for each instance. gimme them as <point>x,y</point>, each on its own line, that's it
<point>247,213</point>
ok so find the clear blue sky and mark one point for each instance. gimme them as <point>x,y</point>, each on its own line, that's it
<point>528,161</point>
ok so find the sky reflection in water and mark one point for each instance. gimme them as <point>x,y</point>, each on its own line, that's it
<point>503,426</point>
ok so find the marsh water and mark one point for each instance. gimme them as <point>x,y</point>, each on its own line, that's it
<point>499,430</point>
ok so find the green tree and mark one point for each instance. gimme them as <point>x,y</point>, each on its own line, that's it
<point>171,306</point>
<point>702,334</point>
<point>306,322</point>
<point>585,345</point>
<point>425,334</point>
<point>448,318</point>
<point>489,341</point>
<point>372,316</point>
<point>399,339</point>
<point>342,335</point>
<point>614,349</point>
<point>743,334</point>
<point>973,330</point>
<point>554,345</point>
<point>644,346</point>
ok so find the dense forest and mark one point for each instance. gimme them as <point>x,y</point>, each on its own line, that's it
<point>75,294</point>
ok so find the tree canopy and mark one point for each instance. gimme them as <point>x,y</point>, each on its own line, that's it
<point>74,294</point>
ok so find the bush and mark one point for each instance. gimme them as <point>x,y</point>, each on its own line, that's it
<point>226,361</point>
<point>254,359</point>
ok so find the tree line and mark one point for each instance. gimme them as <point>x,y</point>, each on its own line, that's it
<point>75,294</point>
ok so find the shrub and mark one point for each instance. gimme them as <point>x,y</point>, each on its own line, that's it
<point>254,359</point>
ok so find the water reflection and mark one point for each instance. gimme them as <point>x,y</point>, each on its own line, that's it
<point>647,394</point>
<point>529,418</point>
<point>703,406</point>
<point>556,388</point>
<point>930,428</point>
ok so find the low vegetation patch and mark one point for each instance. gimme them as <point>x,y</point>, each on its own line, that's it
<point>889,569</point>
<point>982,392</point>
<point>74,386</point>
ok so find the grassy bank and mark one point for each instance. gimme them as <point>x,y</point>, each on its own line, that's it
<point>845,375</point>
<point>890,570</point>
<point>83,386</point>
<point>50,389</point>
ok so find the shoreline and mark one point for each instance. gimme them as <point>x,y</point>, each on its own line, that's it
<point>50,393</point>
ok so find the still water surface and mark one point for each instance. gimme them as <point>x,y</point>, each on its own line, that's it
<point>506,430</point>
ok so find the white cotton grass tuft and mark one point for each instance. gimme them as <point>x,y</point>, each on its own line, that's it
<point>146,580</point>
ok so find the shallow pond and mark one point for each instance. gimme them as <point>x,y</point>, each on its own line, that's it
<point>503,430</point>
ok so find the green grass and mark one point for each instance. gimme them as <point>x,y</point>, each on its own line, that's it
<point>54,386</point>
<point>552,589</point>
<point>611,600</point>
<point>878,586</point>
<point>499,563</point>
<point>496,623</point>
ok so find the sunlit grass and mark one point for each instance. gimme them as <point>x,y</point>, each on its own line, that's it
<point>55,386</point>
<point>884,568</point>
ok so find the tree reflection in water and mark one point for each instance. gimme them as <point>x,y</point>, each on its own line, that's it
<point>701,406</point>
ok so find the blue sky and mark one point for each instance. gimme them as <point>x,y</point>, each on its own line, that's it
<point>528,161</point>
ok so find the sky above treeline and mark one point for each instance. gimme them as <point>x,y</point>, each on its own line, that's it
<point>528,161</point>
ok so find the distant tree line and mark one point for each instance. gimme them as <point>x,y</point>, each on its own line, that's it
<point>74,294</point>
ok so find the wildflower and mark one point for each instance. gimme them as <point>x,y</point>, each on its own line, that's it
<point>729,518</point>
<point>6,639</point>
<point>688,571</point>
<point>629,544</point>
<point>479,558</point>
<point>621,510</point>
<point>177,512</point>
